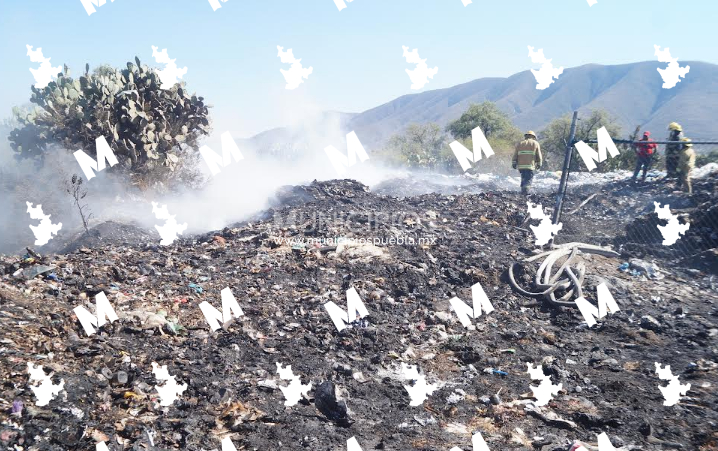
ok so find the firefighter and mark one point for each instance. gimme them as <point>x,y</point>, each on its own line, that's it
<point>673,151</point>
<point>527,159</point>
<point>686,163</point>
<point>644,156</point>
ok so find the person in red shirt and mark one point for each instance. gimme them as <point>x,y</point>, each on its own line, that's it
<point>644,156</point>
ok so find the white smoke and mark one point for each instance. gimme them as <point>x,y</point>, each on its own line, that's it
<point>239,191</point>
<point>245,187</point>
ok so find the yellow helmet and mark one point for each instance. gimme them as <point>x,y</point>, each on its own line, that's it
<point>675,126</point>
<point>687,142</point>
<point>530,132</point>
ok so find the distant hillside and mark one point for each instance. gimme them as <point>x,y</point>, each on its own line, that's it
<point>631,92</point>
<point>290,140</point>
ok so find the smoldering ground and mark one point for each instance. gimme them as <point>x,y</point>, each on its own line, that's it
<point>241,189</point>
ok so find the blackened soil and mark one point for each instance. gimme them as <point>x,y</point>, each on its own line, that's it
<point>607,372</point>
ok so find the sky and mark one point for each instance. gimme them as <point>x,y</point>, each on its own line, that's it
<point>355,53</point>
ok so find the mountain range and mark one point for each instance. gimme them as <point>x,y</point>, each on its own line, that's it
<point>632,93</point>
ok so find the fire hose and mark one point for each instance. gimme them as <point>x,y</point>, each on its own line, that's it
<point>549,282</point>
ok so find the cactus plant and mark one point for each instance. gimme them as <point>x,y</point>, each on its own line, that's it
<point>152,131</point>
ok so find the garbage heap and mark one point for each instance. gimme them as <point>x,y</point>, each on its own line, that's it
<point>623,214</point>
<point>235,378</point>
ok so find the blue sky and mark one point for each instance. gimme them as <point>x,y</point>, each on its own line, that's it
<point>356,53</point>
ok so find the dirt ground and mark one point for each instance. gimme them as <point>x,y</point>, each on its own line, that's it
<point>607,372</point>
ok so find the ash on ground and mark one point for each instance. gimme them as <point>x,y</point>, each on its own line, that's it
<point>285,264</point>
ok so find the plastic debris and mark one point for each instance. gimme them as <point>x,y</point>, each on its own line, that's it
<point>197,289</point>
<point>650,270</point>
<point>283,293</point>
<point>17,407</point>
<point>32,272</point>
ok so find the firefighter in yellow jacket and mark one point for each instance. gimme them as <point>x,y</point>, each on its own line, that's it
<point>527,159</point>
<point>686,163</point>
<point>673,150</point>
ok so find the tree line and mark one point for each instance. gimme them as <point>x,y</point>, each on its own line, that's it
<point>426,146</point>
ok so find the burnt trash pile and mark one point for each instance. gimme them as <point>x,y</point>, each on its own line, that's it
<point>317,243</point>
<point>623,215</point>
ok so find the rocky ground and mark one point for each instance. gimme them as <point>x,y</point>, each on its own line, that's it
<point>607,372</point>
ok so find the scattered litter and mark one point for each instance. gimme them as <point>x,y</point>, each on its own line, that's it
<point>283,293</point>
<point>33,271</point>
<point>495,371</point>
<point>17,407</point>
<point>650,270</point>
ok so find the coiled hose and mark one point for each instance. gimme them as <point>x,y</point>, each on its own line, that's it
<point>548,282</point>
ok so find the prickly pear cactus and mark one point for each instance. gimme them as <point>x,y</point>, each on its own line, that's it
<point>152,131</point>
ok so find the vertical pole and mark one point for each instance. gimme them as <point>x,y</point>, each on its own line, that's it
<point>563,186</point>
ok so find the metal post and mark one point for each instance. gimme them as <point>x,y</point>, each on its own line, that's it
<point>564,174</point>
